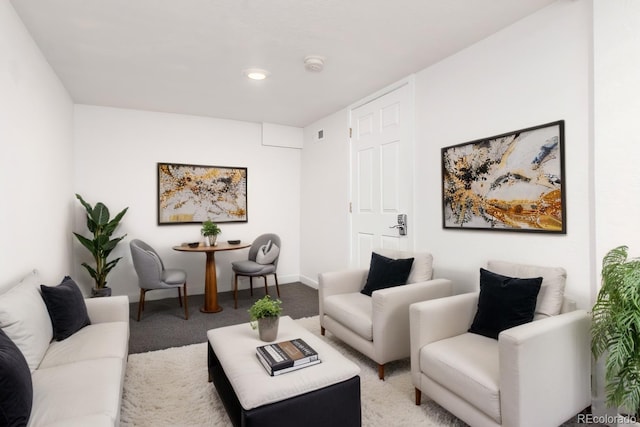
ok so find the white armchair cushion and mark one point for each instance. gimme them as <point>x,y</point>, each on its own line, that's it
<point>422,268</point>
<point>91,342</point>
<point>352,310</point>
<point>92,386</point>
<point>550,297</point>
<point>25,319</point>
<point>468,365</point>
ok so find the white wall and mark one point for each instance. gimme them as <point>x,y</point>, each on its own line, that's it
<point>533,72</point>
<point>117,152</point>
<point>36,116</point>
<point>616,58</point>
<point>617,125</point>
<point>325,198</point>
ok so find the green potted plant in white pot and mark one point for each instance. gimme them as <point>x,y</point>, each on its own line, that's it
<point>101,245</point>
<point>616,331</point>
<point>265,315</point>
<point>210,231</point>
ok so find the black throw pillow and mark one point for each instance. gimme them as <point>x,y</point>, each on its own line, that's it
<point>386,272</point>
<point>16,389</point>
<point>504,302</point>
<point>66,307</point>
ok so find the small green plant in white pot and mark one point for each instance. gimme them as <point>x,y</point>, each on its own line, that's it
<point>265,315</point>
<point>210,231</point>
<point>615,330</point>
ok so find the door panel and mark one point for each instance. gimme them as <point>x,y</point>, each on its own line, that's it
<point>389,158</point>
<point>381,173</point>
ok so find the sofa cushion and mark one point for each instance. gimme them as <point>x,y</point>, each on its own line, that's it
<point>82,389</point>
<point>422,267</point>
<point>91,342</point>
<point>474,375</point>
<point>252,267</point>
<point>352,310</point>
<point>386,272</point>
<point>16,389</point>
<point>24,318</point>
<point>66,307</point>
<point>504,302</point>
<point>551,295</point>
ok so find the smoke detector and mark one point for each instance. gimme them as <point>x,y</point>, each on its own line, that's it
<point>314,63</point>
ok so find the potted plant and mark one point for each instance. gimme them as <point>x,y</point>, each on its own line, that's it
<point>265,315</point>
<point>102,228</point>
<point>616,329</point>
<point>210,231</point>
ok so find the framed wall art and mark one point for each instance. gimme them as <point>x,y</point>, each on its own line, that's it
<point>195,193</point>
<point>509,182</point>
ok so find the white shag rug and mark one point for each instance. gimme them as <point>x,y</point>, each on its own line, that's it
<point>170,388</point>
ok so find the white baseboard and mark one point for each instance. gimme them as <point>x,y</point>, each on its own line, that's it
<point>309,282</point>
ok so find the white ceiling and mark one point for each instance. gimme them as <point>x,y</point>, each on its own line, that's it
<point>187,56</point>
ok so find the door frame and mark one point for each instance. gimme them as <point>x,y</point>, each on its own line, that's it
<point>410,123</point>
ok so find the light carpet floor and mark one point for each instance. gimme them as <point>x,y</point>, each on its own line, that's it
<point>169,388</point>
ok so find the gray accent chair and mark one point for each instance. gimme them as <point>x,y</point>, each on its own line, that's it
<point>153,275</point>
<point>250,268</point>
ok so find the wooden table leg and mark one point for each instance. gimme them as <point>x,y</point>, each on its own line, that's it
<point>211,286</point>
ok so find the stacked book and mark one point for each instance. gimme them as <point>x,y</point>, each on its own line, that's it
<point>286,356</point>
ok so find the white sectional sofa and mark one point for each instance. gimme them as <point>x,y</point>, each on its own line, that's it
<point>78,380</point>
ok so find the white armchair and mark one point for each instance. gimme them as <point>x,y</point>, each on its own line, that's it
<point>534,374</point>
<point>377,326</point>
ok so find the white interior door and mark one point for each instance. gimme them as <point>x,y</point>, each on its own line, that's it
<point>381,174</point>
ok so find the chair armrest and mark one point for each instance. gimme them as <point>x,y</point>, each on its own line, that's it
<point>438,319</point>
<point>341,282</point>
<point>442,318</point>
<point>545,364</point>
<point>108,309</point>
<point>390,315</point>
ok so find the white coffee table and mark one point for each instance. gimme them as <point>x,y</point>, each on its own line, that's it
<point>324,394</point>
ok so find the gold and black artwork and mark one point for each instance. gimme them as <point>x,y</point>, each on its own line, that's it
<point>510,182</point>
<point>196,193</point>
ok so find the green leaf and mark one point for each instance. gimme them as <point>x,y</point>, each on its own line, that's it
<point>87,243</point>
<point>100,214</point>
<point>91,270</point>
<point>86,205</point>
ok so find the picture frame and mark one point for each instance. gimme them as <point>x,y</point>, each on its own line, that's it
<point>509,182</point>
<point>189,194</point>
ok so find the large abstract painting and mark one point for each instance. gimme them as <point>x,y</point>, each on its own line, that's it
<point>195,193</point>
<point>510,182</point>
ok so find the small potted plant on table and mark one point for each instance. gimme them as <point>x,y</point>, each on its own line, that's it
<point>210,231</point>
<point>265,315</point>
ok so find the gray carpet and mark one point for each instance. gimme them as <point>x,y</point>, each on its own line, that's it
<point>162,324</point>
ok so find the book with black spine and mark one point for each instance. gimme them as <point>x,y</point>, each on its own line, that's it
<point>286,356</point>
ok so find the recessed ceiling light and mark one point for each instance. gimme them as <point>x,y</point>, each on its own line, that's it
<point>256,73</point>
